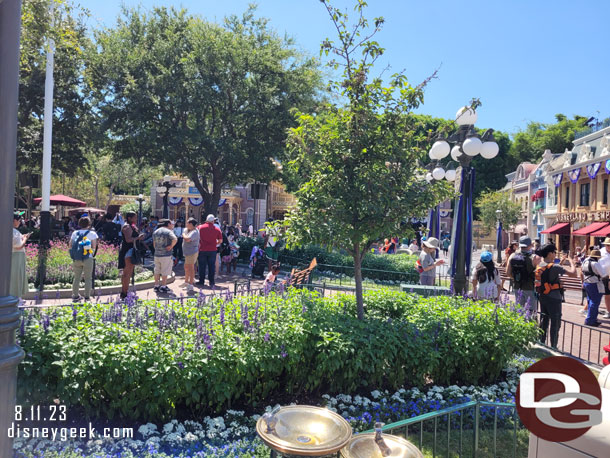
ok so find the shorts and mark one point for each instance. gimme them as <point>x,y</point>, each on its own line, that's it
<point>163,265</point>
<point>191,259</point>
<point>272,254</point>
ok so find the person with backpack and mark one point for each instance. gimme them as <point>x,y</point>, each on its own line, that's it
<point>164,240</point>
<point>593,273</point>
<point>82,246</point>
<point>486,282</point>
<point>548,286</point>
<point>521,268</point>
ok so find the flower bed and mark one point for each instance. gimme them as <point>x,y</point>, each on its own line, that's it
<point>234,434</point>
<point>198,357</point>
<point>59,274</point>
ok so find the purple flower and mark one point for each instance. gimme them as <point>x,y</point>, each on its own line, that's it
<point>180,365</point>
<point>266,338</point>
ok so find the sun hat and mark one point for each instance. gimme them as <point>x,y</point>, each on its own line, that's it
<point>595,254</point>
<point>606,241</point>
<point>486,256</point>
<point>432,242</point>
<point>525,241</point>
<point>210,218</point>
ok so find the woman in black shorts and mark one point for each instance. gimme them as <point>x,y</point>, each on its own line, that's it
<point>126,253</point>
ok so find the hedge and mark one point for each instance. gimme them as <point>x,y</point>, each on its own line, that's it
<point>153,360</point>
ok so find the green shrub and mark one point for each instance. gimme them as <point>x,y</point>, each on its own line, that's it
<point>375,266</point>
<point>152,360</point>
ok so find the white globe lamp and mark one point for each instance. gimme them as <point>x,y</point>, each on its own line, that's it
<point>465,116</point>
<point>455,153</point>
<point>440,149</point>
<point>450,175</point>
<point>428,177</point>
<point>438,173</point>
<point>472,146</point>
<point>489,150</point>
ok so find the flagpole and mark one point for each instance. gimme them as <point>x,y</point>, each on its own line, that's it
<point>10,354</point>
<point>47,147</point>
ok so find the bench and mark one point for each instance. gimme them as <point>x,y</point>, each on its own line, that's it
<point>302,277</point>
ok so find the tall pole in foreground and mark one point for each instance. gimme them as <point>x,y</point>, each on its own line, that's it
<point>47,144</point>
<point>10,354</point>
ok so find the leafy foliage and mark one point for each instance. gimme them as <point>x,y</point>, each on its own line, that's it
<point>208,101</point>
<point>490,202</point>
<point>71,130</point>
<point>360,159</point>
<point>529,144</point>
<point>109,358</point>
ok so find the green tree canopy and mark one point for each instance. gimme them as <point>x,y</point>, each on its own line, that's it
<point>70,121</point>
<point>360,159</point>
<point>529,145</point>
<point>490,202</point>
<point>207,101</point>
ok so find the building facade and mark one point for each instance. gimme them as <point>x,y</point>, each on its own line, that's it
<point>580,179</point>
<point>236,205</point>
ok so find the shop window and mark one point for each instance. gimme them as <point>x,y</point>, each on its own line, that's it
<point>567,199</point>
<point>584,194</point>
<point>605,192</point>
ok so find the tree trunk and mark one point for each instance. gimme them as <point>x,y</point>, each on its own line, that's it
<point>96,190</point>
<point>110,194</point>
<point>358,279</point>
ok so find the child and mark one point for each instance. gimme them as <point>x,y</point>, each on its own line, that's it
<point>234,252</point>
<point>271,276</point>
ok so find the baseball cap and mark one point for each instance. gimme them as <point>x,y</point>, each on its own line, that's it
<point>525,241</point>
<point>210,218</point>
<point>486,256</point>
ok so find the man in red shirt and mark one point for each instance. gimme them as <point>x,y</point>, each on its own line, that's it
<point>209,238</point>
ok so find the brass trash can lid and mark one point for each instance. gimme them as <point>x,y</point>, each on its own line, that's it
<point>364,446</point>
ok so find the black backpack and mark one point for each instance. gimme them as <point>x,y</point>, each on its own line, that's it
<point>522,269</point>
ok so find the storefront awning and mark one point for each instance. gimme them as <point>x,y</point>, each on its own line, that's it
<point>603,232</point>
<point>561,229</point>
<point>590,228</point>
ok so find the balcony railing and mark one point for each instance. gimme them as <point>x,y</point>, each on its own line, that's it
<point>605,123</point>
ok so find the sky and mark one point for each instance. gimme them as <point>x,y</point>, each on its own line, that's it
<point>525,60</point>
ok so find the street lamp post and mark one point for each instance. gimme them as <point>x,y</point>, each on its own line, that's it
<point>10,353</point>
<point>499,235</point>
<point>167,185</point>
<point>463,146</point>
<point>140,199</point>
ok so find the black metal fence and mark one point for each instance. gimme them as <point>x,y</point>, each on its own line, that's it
<point>581,341</point>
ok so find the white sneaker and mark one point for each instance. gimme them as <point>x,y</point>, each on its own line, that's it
<point>583,312</point>
<point>607,315</point>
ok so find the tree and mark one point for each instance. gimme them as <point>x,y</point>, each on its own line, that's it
<point>70,125</point>
<point>529,145</point>
<point>490,202</point>
<point>360,158</point>
<point>207,101</point>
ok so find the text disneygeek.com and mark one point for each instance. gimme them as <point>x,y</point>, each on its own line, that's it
<point>58,413</point>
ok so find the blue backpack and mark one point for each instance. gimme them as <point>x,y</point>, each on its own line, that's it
<point>77,250</point>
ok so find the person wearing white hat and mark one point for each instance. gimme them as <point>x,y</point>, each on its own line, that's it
<point>427,262</point>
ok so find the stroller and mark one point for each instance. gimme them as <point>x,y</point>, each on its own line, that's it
<point>258,262</point>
